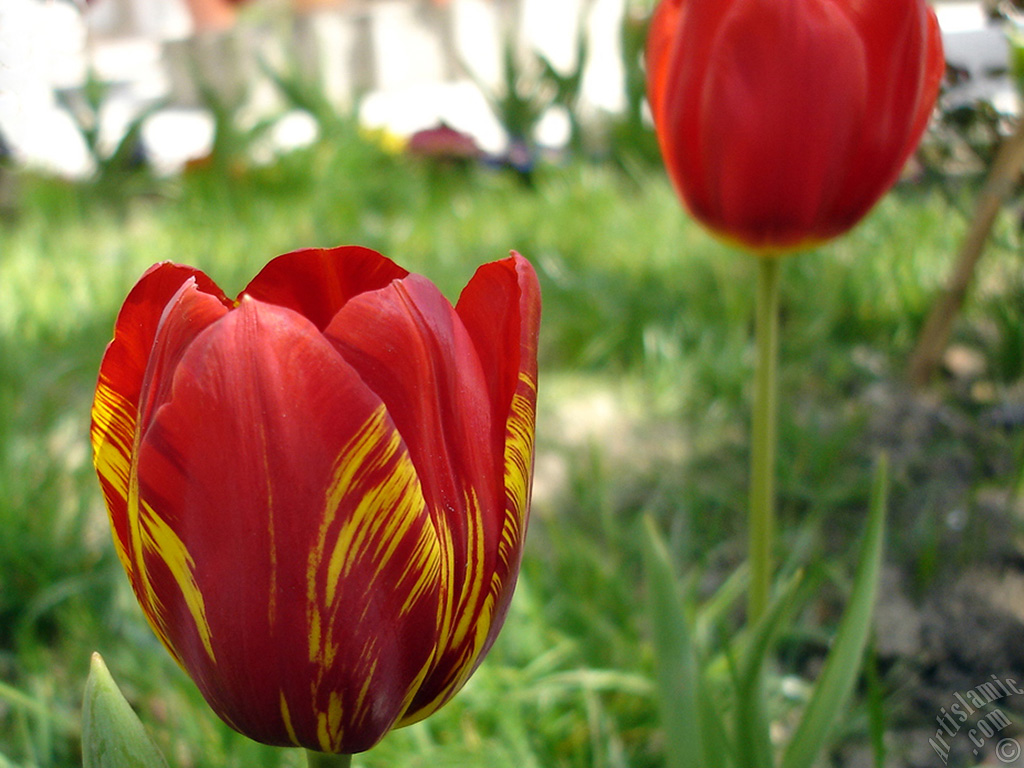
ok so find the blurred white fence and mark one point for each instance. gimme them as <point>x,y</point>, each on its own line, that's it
<point>977,47</point>
<point>403,55</point>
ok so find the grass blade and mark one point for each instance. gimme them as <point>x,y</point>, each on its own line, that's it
<point>688,718</point>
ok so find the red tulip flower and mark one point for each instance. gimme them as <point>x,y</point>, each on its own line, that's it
<point>320,490</point>
<point>781,122</point>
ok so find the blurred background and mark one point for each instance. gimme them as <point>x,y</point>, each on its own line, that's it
<point>166,67</point>
<point>444,134</point>
<point>402,66</point>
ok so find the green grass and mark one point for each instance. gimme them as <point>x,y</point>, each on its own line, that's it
<point>645,356</point>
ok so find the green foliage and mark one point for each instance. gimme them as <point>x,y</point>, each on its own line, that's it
<point>691,699</point>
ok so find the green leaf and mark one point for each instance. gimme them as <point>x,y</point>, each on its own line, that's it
<point>691,724</point>
<point>875,706</point>
<point>112,735</point>
<point>842,666</point>
<point>716,608</point>
<point>754,744</point>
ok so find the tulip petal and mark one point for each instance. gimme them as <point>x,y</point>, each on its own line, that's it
<point>500,308</point>
<point>316,282</point>
<point>186,315</point>
<point>412,349</point>
<point>782,123</point>
<point>271,453</point>
<point>661,37</point>
<point>934,70</point>
<point>115,410</point>
<point>905,69</point>
<point>812,116</point>
<point>679,72</point>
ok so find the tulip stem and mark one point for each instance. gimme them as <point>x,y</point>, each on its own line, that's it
<point>761,530</point>
<point>325,760</point>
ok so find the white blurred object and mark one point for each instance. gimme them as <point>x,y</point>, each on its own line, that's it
<point>176,136</point>
<point>41,48</point>
<point>404,55</point>
<point>150,19</point>
<point>976,46</point>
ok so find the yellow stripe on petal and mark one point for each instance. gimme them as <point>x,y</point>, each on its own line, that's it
<point>365,691</point>
<point>446,606</point>
<point>474,613</point>
<point>466,612</point>
<point>286,718</point>
<point>328,722</point>
<point>390,499</point>
<point>148,535</point>
<point>519,446</point>
<point>161,541</point>
<point>466,663</point>
<point>477,605</point>
<point>373,507</point>
<point>113,434</point>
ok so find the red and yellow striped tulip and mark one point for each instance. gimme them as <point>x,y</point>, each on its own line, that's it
<point>320,490</point>
<point>781,122</point>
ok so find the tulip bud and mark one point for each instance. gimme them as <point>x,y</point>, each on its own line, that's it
<point>781,122</point>
<point>319,491</point>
